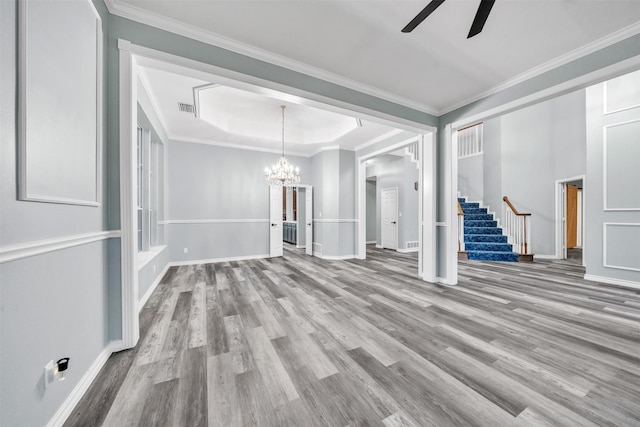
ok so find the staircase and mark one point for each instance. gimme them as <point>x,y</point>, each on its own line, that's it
<point>483,240</point>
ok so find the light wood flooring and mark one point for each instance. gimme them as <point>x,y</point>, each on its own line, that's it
<point>299,341</point>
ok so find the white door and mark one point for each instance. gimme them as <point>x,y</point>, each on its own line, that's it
<point>275,221</point>
<point>308,221</point>
<point>390,218</point>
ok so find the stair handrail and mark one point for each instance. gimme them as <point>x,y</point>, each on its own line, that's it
<point>460,228</point>
<point>515,211</point>
<point>517,227</point>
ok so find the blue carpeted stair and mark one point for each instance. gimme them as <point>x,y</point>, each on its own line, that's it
<point>483,240</point>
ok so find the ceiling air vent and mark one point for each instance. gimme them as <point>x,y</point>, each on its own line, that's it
<point>186,108</point>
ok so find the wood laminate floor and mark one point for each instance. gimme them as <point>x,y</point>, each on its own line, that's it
<point>299,341</point>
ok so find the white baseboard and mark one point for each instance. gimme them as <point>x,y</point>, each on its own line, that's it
<point>378,246</point>
<point>404,251</point>
<point>142,301</point>
<point>213,260</point>
<point>81,388</point>
<point>611,281</point>
<point>444,281</point>
<point>334,257</point>
<point>540,256</point>
<point>370,242</point>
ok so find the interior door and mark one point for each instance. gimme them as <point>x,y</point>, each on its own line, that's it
<point>572,216</point>
<point>390,218</point>
<point>275,221</point>
<point>308,221</point>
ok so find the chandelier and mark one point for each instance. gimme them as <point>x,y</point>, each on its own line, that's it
<point>283,173</point>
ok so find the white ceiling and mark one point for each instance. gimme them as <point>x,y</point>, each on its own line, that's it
<point>359,43</point>
<point>239,118</point>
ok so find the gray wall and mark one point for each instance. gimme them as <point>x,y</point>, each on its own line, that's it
<point>539,145</point>
<point>347,208</point>
<point>398,173</point>
<point>492,165</point>
<point>471,178</point>
<point>372,215</point>
<point>333,180</point>
<point>216,190</point>
<point>56,303</point>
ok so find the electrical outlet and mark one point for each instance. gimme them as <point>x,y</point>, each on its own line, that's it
<point>186,250</point>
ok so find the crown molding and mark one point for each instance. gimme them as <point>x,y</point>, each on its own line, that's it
<point>580,52</point>
<point>237,146</point>
<point>117,7</point>
<point>328,148</point>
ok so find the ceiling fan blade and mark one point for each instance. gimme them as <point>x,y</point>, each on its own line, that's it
<point>481,17</point>
<point>422,15</point>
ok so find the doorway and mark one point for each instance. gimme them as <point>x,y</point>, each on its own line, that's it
<point>422,150</point>
<point>290,218</point>
<point>389,209</point>
<point>570,219</point>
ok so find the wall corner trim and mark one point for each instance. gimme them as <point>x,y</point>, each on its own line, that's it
<point>80,389</point>
<point>39,247</point>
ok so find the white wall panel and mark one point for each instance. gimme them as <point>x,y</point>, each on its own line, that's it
<point>622,93</point>
<point>60,102</point>
<point>621,249</point>
<point>621,166</point>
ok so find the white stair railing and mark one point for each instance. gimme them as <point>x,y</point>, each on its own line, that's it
<point>517,227</point>
<point>412,150</point>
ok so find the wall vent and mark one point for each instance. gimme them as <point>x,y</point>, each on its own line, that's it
<point>317,248</point>
<point>413,244</point>
<point>186,108</point>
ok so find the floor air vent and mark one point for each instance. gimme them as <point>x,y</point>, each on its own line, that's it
<point>413,245</point>
<point>317,248</point>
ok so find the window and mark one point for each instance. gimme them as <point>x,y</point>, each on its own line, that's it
<point>149,186</point>
<point>139,185</point>
<point>470,141</point>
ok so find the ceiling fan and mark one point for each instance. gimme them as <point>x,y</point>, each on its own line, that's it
<point>478,22</point>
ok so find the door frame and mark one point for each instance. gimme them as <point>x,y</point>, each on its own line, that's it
<point>427,253</point>
<point>382,216</point>
<point>490,110</point>
<point>560,228</point>
<point>307,188</point>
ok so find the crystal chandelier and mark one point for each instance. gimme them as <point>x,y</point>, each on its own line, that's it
<point>283,173</point>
